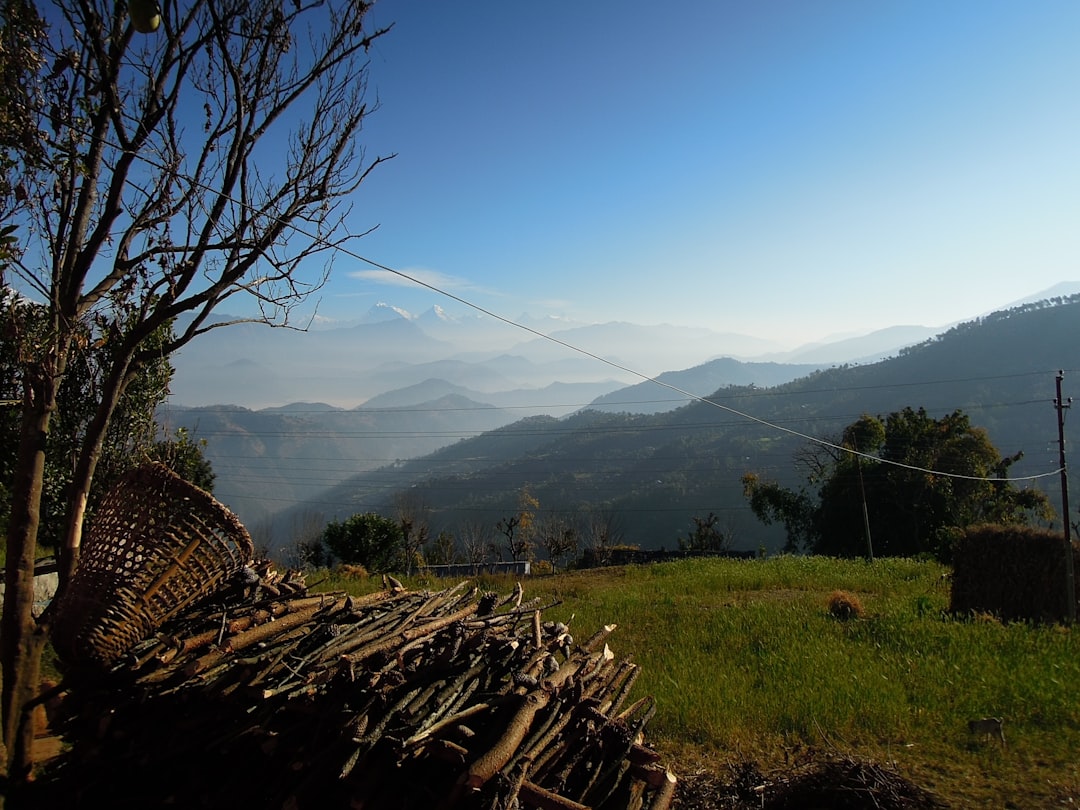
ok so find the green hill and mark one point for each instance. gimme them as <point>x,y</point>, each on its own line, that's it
<point>655,472</point>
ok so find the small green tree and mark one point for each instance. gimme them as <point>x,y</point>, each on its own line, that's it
<point>366,539</point>
<point>185,457</point>
<point>772,503</point>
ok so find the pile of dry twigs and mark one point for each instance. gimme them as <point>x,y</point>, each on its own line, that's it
<point>821,779</point>
<point>269,695</point>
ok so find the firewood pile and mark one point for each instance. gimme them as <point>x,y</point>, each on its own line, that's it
<point>270,695</point>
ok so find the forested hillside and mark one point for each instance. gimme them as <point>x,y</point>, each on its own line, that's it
<point>654,473</point>
<point>272,459</point>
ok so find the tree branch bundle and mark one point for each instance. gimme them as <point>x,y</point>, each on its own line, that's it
<point>452,699</point>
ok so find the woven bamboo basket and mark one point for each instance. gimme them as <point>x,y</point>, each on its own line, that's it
<point>157,544</point>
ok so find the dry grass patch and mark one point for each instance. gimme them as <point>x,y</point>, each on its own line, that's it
<point>845,606</point>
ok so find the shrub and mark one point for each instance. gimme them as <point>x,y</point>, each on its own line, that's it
<point>367,539</point>
<point>844,606</point>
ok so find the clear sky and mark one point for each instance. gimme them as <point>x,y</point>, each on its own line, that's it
<point>791,170</point>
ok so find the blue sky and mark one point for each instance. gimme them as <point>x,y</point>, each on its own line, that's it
<point>791,170</point>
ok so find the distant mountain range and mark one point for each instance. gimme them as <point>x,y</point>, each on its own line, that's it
<point>387,349</point>
<point>637,449</point>
<point>254,366</point>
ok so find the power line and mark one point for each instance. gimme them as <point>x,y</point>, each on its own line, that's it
<point>341,248</point>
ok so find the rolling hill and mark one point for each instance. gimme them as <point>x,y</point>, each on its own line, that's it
<point>656,471</point>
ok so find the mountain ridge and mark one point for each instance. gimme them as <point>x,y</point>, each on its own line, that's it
<point>659,470</point>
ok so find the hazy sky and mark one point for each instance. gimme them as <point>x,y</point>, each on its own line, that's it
<point>784,169</point>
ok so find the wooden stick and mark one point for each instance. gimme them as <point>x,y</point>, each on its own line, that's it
<point>492,761</point>
<point>662,798</point>
<point>249,637</point>
<point>537,796</point>
<point>598,637</point>
<point>429,629</point>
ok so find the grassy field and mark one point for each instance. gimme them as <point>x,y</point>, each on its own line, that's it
<point>747,664</point>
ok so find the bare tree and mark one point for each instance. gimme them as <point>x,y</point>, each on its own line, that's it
<point>707,535</point>
<point>413,516</point>
<point>518,529</point>
<point>558,537</point>
<point>302,545</point>
<point>442,550</point>
<point>209,158</point>
<point>514,541</point>
<point>603,531</point>
<point>475,542</point>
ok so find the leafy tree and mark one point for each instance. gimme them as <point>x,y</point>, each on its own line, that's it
<point>131,435</point>
<point>772,503</point>
<point>140,216</point>
<point>366,539</point>
<point>919,478</point>
<point>186,458</point>
<point>22,35</point>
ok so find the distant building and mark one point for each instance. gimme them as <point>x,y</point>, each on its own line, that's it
<point>522,569</point>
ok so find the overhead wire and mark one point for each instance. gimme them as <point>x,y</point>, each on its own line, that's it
<point>338,246</point>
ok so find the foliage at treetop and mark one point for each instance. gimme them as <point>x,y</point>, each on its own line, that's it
<point>366,539</point>
<point>919,479</point>
<point>133,432</point>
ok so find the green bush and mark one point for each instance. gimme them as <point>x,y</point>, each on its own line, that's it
<point>366,539</point>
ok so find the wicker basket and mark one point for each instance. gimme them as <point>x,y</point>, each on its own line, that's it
<point>157,544</point>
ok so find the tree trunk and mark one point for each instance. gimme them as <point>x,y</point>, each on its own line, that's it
<point>120,375</point>
<point>21,640</point>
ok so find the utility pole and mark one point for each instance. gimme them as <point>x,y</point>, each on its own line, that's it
<point>865,513</point>
<point>1070,576</point>
<point>862,493</point>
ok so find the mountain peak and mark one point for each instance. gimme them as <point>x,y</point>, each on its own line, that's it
<point>383,311</point>
<point>437,315</point>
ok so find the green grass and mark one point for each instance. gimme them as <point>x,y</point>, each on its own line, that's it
<point>745,662</point>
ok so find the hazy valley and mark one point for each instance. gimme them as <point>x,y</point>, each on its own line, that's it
<point>466,432</point>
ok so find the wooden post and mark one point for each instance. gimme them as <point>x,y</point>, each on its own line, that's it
<point>1070,575</point>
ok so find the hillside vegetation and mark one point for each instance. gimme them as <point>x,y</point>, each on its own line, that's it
<point>747,664</point>
<point>658,471</point>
